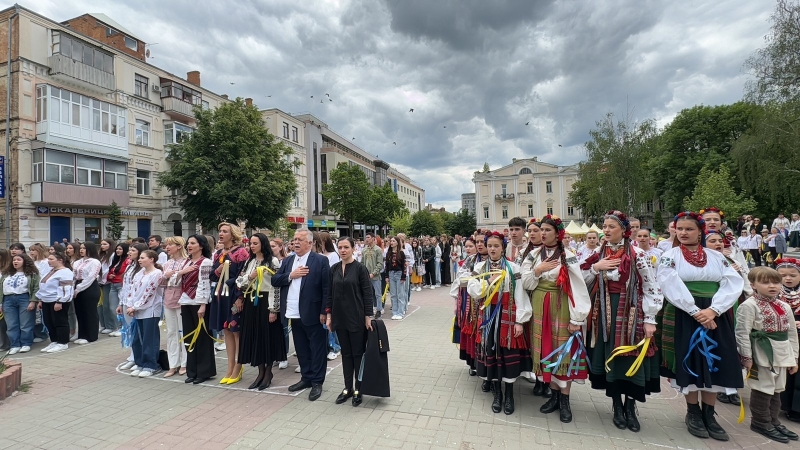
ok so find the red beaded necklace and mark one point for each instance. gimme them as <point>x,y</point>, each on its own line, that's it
<point>697,258</point>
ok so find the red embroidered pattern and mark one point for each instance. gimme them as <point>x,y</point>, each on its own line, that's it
<point>697,259</point>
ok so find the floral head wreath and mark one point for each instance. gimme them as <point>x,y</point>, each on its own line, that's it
<point>713,209</point>
<point>697,218</point>
<point>787,262</point>
<point>496,234</point>
<point>534,221</point>
<point>622,220</point>
<point>556,222</point>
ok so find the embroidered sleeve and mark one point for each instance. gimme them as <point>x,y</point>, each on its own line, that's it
<point>89,273</point>
<point>147,290</point>
<point>653,299</point>
<point>745,319</point>
<point>203,294</point>
<point>673,288</point>
<point>528,274</point>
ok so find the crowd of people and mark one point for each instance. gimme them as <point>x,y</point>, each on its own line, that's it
<point>624,309</point>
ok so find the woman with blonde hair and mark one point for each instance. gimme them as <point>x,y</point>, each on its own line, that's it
<point>178,259</point>
<point>228,262</point>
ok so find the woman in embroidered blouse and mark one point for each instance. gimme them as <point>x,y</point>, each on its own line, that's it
<point>145,303</point>
<point>560,306</point>
<point>503,345</point>
<point>87,293</point>
<point>789,270</point>
<point>176,352</point>
<point>39,254</point>
<point>700,287</point>
<point>261,342</point>
<point>195,295</point>
<point>225,309</point>
<point>133,267</point>
<point>106,311</point>
<point>20,282</point>
<point>55,296</point>
<point>625,301</point>
<point>466,308</point>
<point>116,272</point>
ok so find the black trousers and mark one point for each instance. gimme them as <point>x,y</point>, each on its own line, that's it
<point>86,312</point>
<point>311,345</point>
<point>200,361</point>
<point>353,345</point>
<point>57,322</point>
<point>430,272</point>
<point>756,255</point>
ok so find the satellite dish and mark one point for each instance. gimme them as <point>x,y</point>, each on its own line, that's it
<point>147,53</point>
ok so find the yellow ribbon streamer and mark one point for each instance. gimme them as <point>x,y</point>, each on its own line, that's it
<point>224,275</point>
<point>495,285</point>
<point>637,363</point>
<point>259,281</point>
<point>385,292</point>
<point>201,326</point>
<point>741,400</point>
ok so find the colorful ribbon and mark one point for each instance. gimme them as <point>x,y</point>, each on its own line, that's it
<point>564,349</point>
<point>128,332</point>
<point>385,293</point>
<point>222,286</point>
<point>255,287</point>
<point>637,363</point>
<point>201,326</point>
<point>703,343</point>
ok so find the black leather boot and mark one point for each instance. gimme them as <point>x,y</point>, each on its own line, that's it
<point>735,399</point>
<point>694,421</point>
<point>486,386</point>
<point>497,404</point>
<point>770,433</point>
<point>546,391</point>
<point>630,415</point>
<point>619,413</point>
<point>714,429</point>
<point>565,412</point>
<point>508,406</point>
<point>537,388</point>
<point>551,404</point>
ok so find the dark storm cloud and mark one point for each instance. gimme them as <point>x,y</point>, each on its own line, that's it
<point>482,69</point>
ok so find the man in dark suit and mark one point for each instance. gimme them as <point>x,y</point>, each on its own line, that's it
<point>303,279</point>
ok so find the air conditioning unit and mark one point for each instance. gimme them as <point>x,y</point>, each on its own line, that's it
<point>156,88</point>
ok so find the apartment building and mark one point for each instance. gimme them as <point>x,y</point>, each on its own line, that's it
<point>325,150</point>
<point>468,202</point>
<point>289,130</point>
<point>90,122</point>
<point>526,188</point>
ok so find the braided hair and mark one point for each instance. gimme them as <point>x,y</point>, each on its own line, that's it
<point>560,252</point>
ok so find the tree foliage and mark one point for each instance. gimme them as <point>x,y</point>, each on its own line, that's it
<point>776,67</point>
<point>401,223</point>
<point>462,223</point>
<point>615,174</point>
<point>715,189</point>
<point>384,204</point>
<point>231,169</point>
<point>114,227</point>
<point>348,194</point>
<point>424,224</point>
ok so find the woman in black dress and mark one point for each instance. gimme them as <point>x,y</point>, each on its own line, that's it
<point>349,314</point>
<point>261,341</point>
<point>445,270</point>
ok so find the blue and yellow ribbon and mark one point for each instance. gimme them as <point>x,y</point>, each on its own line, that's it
<point>637,363</point>
<point>703,343</point>
<point>255,287</point>
<point>563,350</point>
<point>201,326</point>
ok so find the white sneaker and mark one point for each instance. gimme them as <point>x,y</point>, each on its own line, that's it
<point>49,346</point>
<point>58,348</point>
<point>135,373</point>
<point>14,350</point>
<point>81,341</point>
<point>135,367</point>
<point>127,365</point>
<point>115,334</point>
<point>220,347</point>
<point>106,331</point>
<point>73,338</point>
<point>147,373</point>
<point>419,289</point>
<point>25,349</point>
<point>37,340</point>
<point>283,364</point>
<point>297,370</point>
<point>332,356</point>
<point>433,287</point>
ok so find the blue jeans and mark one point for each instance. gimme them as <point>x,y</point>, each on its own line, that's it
<point>147,343</point>
<point>397,289</point>
<point>333,341</point>
<point>438,265</point>
<point>376,285</point>
<point>19,320</point>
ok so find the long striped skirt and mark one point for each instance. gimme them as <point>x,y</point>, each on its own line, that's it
<point>494,361</point>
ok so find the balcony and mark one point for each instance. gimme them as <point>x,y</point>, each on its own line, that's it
<point>502,197</point>
<point>66,69</point>
<point>75,195</point>
<point>177,109</point>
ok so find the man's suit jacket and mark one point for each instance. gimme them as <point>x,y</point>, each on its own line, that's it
<point>313,290</point>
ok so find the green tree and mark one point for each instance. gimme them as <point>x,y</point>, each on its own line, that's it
<point>463,223</point>
<point>348,194</point>
<point>776,68</point>
<point>231,169</point>
<point>114,227</point>
<point>486,167</point>
<point>658,222</point>
<point>714,189</point>
<point>384,204</point>
<point>698,136</point>
<point>615,174</point>
<point>424,224</point>
<point>401,223</point>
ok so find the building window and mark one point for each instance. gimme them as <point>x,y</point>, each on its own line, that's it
<point>41,103</point>
<point>181,92</point>
<point>142,133</point>
<point>294,134</point>
<point>549,206</point>
<point>548,187</point>
<point>38,161</point>
<point>59,167</point>
<point>83,112</point>
<point>525,171</point>
<point>505,212</point>
<point>90,171</point>
<point>529,187</point>
<point>570,210</point>
<point>143,182</point>
<point>649,206</point>
<point>285,130</point>
<point>140,86</point>
<point>131,43</point>
<point>486,212</point>
<point>82,52</point>
<point>116,175</point>
<point>661,205</point>
<point>530,210</point>
<point>504,189</point>
<point>205,105</point>
<point>297,203</point>
<point>175,133</point>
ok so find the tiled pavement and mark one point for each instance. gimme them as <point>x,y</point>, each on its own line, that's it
<point>77,399</point>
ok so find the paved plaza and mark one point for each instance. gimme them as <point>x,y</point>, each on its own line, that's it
<point>78,399</point>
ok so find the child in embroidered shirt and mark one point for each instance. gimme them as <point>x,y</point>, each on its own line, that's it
<point>767,341</point>
<point>789,269</point>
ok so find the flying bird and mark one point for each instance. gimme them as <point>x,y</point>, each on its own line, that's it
<point>269,96</point>
<point>312,96</point>
<point>527,123</point>
<point>328,95</point>
<point>233,83</point>
<point>320,101</point>
<point>354,139</point>
<point>330,99</point>
<point>394,143</point>
<point>411,110</point>
<point>559,145</point>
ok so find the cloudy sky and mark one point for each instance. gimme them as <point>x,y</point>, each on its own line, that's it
<point>475,71</point>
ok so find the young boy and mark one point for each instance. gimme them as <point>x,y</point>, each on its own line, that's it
<point>766,337</point>
<point>789,269</point>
